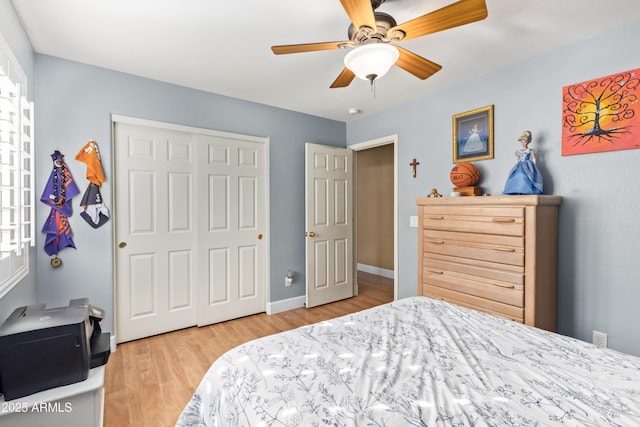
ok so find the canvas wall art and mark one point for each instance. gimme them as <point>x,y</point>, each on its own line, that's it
<point>601,114</point>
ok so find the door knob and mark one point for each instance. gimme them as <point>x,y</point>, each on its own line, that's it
<point>260,236</point>
<point>122,244</point>
<point>311,234</point>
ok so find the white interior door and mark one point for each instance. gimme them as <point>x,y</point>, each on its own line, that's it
<point>155,231</point>
<point>190,214</point>
<point>232,222</point>
<point>329,224</point>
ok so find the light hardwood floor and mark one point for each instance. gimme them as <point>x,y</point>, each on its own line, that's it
<point>149,381</point>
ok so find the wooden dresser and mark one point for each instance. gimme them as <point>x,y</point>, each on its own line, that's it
<point>497,254</point>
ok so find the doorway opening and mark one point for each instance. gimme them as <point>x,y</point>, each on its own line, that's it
<point>376,208</point>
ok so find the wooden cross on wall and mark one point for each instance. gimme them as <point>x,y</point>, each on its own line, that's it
<point>414,164</point>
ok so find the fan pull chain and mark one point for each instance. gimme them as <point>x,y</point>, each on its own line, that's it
<point>372,79</point>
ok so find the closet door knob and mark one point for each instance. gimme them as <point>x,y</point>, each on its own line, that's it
<point>311,234</point>
<point>122,244</point>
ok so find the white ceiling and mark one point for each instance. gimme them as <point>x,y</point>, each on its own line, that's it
<point>224,46</point>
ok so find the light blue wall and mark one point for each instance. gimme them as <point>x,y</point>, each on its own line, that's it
<point>75,103</point>
<point>24,293</point>
<point>599,277</point>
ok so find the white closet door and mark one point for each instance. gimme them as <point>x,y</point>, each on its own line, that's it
<point>177,265</point>
<point>232,229</point>
<point>155,231</point>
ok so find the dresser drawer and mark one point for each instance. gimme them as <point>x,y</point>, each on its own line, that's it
<point>470,238</point>
<point>488,271</point>
<point>477,247</point>
<point>493,307</point>
<point>503,292</point>
<point>508,221</point>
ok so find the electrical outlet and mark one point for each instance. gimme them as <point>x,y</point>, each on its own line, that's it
<point>599,339</point>
<point>288,279</point>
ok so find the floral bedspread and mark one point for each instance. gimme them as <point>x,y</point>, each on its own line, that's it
<point>417,362</point>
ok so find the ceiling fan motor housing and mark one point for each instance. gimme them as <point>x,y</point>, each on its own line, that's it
<point>364,35</point>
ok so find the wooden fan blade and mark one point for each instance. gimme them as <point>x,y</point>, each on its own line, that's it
<point>344,79</point>
<point>360,13</point>
<point>308,47</point>
<point>456,14</point>
<point>417,65</point>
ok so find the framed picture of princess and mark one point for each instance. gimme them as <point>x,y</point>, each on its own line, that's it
<point>473,135</point>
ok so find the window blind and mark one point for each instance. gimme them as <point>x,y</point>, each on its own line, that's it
<point>17,210</point>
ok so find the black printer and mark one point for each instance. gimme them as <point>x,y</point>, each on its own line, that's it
<point>45,348</point>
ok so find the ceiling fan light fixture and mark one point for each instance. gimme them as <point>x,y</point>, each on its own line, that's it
<point>371,61</point>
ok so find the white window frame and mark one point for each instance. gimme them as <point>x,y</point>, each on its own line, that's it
<point>17,208</point>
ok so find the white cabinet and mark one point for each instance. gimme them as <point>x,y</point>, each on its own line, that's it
<point>75,405</point>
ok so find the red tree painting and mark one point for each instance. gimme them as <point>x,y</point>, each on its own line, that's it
<point>601,114</point>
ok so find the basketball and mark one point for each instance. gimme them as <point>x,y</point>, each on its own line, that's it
<point>464,175</point>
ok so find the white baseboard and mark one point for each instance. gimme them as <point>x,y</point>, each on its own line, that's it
<point>272,308</point>
<point>286,304</point>
<point>389,274</point>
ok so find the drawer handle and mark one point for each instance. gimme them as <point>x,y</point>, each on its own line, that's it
<point>435,271</point>
<point>436,242</point>
<point>503,219</point>
<point>435,217</point>
<point>505,249</point>
<point>504,285</point>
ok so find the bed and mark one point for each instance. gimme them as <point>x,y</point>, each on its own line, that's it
<point>417,362</point>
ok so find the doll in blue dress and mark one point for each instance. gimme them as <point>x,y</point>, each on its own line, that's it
<point>524,178</point>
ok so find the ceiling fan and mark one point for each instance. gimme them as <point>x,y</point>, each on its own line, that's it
<point>369,28</point>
